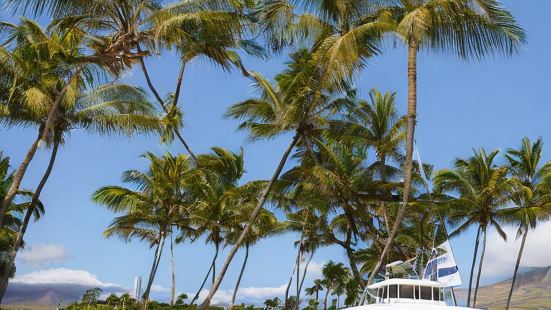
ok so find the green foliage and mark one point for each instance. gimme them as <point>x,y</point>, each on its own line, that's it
<point>346,180</point>
<point>272,304</point>
<point>91,296</point>
<point>180,300</point>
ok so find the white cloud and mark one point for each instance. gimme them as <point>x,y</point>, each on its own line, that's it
<point>159,289</point>
<point>62,275</point>
<point>255,295</point>
<point>43,254</point>
<point>501,256</point>
<point>314,270</point>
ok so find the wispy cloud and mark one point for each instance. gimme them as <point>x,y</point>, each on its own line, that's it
<point>62,276</point>
<point>258,294</point>
<point>314,270</point>
<point>250,295</point>
<point>159,289</point>
<point>43,254</point>
<point>502,255</point>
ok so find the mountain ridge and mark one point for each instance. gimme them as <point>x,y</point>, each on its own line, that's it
<point>532,291</point>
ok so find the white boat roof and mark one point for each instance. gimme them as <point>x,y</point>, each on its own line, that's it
<point>407,307</point>
<point>405,282</point>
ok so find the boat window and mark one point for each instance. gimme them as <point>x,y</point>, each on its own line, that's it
<point>406,291</point>
<point>381,293</point>
<point>417,292</point>
<point>426,293</point>
<point>436,293</point>
<point>393,291</point>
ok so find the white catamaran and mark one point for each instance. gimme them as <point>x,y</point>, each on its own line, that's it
<point>403,289</point>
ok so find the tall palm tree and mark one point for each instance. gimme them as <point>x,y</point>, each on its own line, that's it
<point>377,124</point>
<point>105,110</point>
<point>10,234</point>
<point>121,30</point>
<point>267,225</point>
<point>533,197</point>
<point>483,189</point>
<point>45,69</point>
<point>297,104</point>
<point>470,28</point>
<point>109,109</point>
<point>214,211</point>
<point>346,33</point>
<point>344,179</point>
<point>159,198</point>
<point>198,29</point>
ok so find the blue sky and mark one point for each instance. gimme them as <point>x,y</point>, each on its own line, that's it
<point>491,104</point>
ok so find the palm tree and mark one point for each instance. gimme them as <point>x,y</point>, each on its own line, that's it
<point>470,28</point>
<point>266,225</point>
<point>483,189</point>
<point>214,210</point>
<point>315,289</point>
<point>335,275</point>
<point>376,123</point>
<point>346,33</point>
<point>109,109</point>
<point>159,200</point>
<point>121,29</point>
<point>533,198</point>
<point>11,233</point>
<point>272,303</point>
<point>199,29</point>
<point>106,110</point>
<point>45,68</point>
<point>297,104</point>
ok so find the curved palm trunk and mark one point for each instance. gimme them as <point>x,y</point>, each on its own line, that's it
<point>354,266</point>
<point>382,172</point>
<point>472,267</point>
<point>252,219</point>
<point>205,279</point>
<point>18,177</point>
<point>162,103</point>
<point>148,79</point>
<point>480,266</point>
<point>295,268</point>
<point>516,268</point>
<point>298,277</point>
<point>290,282</point>
<point>352,259</point>
<point>173,277</point>
<point>156,260</point>
<point>408,165</point>
<point>240,276</point>
<point>304,273</point>
<point>28,214</point>
<point>217,247</point>
<point>48,126</point>
<point>179,83</point>
<point>325,299</point>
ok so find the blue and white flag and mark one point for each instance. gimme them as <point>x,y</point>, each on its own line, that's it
<point>442,266</point>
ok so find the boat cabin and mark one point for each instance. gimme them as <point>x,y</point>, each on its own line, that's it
<point>407,291</point>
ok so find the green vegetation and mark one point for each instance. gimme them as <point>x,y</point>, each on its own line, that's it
<point>352,180</point>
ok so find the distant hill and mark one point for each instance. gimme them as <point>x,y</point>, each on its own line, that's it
<point>48,294</point>
<point>532,291</point>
